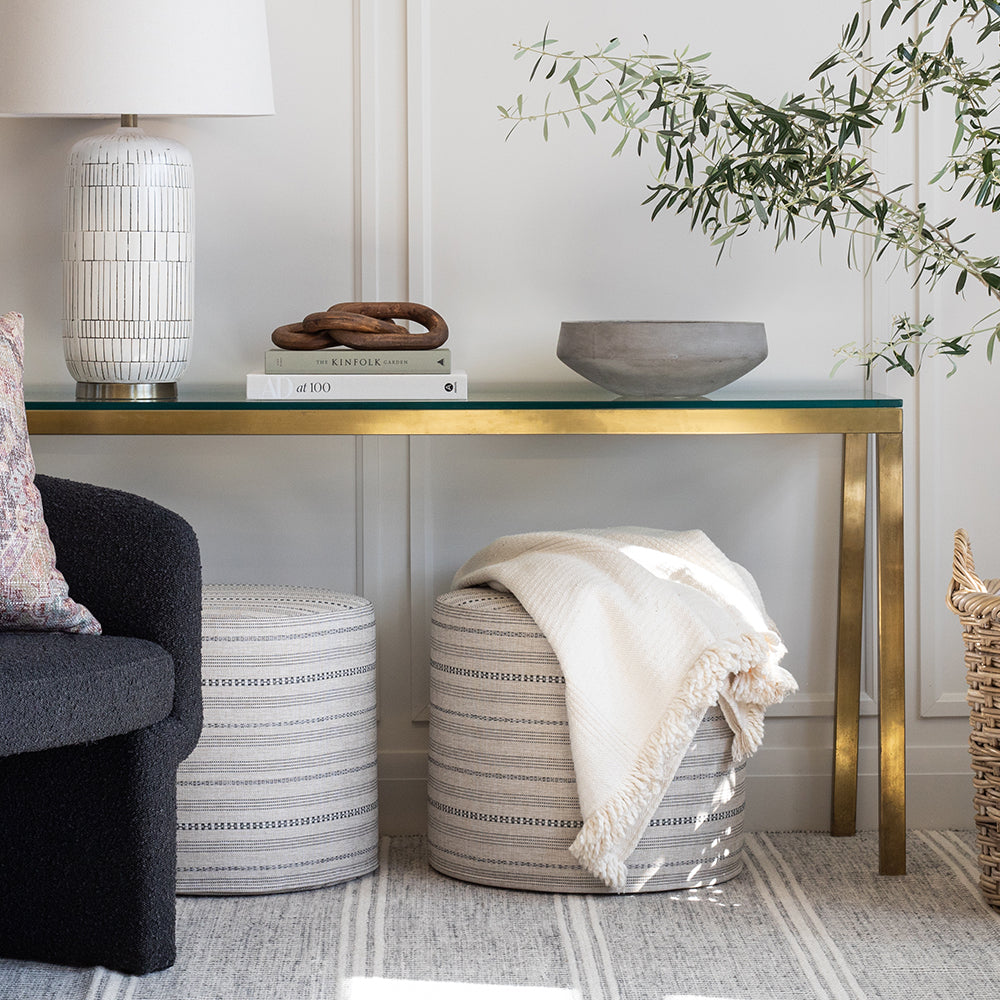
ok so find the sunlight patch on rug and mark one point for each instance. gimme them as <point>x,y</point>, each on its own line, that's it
<point>365,988</point>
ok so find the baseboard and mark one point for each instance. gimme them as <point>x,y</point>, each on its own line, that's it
<point>774,802</point>
<point>402,807</point>
<point>794,802</point>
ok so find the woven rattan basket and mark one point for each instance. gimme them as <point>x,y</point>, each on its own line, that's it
<point>977,602</point>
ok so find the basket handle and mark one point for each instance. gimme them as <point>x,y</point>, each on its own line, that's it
<point>964,578</point>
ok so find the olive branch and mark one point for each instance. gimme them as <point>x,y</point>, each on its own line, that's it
<point>733,163</point>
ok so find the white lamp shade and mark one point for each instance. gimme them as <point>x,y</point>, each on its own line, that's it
<point>105,58</point>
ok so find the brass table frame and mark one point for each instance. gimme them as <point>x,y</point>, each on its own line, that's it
<point>856,421</point>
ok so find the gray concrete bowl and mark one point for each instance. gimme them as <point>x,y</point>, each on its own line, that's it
<point>666,359</point>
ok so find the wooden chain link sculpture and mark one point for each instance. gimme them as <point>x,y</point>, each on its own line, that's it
<point>365,326</point>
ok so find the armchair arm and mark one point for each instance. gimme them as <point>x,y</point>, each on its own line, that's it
<point>137,567</point>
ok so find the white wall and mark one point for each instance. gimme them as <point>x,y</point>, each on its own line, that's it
<point>385,174</point>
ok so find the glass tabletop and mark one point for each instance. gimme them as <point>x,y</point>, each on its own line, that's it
<point>483,397</point>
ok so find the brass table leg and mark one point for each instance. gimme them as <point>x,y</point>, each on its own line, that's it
<point>891,652</point>
<point>849,635</point>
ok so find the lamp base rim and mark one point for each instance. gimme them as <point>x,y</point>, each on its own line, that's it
<point>135,391</point>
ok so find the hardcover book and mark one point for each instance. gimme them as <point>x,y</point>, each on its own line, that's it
<point>397,385</point>
<point>332,360</point>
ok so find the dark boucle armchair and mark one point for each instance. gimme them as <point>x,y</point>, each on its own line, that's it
<point>92,729</point>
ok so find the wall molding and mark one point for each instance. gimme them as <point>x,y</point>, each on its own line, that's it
<point>422,588</point>
<point>380,150</point>
<point>418,148</point>
<point>366,109</point>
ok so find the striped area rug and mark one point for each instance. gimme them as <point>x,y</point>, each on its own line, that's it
<point>808,918</point>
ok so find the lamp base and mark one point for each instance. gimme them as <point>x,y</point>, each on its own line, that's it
<point>136,391</point>
<point>128,259</point>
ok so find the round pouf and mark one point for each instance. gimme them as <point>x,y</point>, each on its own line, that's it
<point>281,791</point>
<point>502,801</point>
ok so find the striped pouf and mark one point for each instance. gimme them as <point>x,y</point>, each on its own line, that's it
<point>281,791</point>
<point>502,802</point>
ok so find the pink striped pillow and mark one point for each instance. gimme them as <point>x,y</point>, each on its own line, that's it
<point>33,593</point>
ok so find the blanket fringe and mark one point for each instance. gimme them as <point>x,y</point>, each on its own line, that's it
<point>744,672</point>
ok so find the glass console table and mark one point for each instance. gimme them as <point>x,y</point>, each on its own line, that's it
<point>588,410</point>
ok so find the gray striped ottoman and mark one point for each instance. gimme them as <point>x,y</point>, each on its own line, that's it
<point>281,791</point>
<point>502,802</point>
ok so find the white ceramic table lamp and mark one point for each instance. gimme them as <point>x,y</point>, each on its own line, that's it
<point>128,253</point>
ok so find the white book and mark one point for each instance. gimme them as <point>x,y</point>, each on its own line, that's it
<point>398,385</point>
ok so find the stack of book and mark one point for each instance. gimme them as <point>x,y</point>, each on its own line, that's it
<point>344,373</point>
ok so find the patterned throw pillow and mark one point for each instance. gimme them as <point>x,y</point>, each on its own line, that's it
<point>33,593</point>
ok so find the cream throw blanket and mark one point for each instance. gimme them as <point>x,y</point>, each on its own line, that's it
<point>650,628</point>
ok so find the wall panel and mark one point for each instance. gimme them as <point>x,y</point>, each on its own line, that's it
<point>386,174</point>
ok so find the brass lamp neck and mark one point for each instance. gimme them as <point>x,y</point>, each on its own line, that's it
<point>130,121</point>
